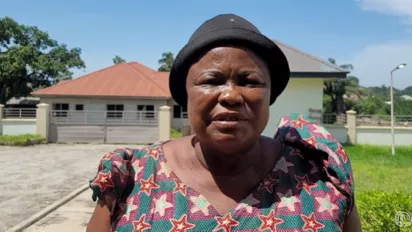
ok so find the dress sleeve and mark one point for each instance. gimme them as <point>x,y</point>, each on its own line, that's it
<point>298,130</point>
<point>112,175</point>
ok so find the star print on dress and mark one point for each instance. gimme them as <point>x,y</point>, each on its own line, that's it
<point>267,184</point>
<point>291,138</point>
<point>283,165</point>
<point>103,180</point>
<point>140,225</point>
<point>129,207</point>
<point>288,200</point>
<point>283,122</point>
<point>304,183</point>
<point>325,204</point>
<point>299,122</point>
<point>310,223</point>
<point>180,225</point>
<point>247,204</point>
<point>147,185</point>
<point>321,130</point>
<point>136,168</point>
<point>154,153</point>
<point>269,222</point>
<point>179,187</point>
<point>295,151</point>
<point>314,169</point>
<point>161,204</point>
<point>225,223</point>
<point>200,204</point>
<point>311,141</point>
<point>108,156</point>
<point>342,153</point>
<point>164,169</point>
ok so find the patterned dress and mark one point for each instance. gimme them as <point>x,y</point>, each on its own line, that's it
<point>309,189</point>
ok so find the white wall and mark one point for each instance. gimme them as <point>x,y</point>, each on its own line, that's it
<point>94,106</point>
<point>17,126</point>
<point>382,135</point>
<point>340,132</point>
<point>300,95</point>
<point>99,104</point>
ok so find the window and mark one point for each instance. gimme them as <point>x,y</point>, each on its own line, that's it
<point>179,112</point>
<point>147,111</point>
<point>115,111</point>
<point>60,109</point>
<point>79,107</point>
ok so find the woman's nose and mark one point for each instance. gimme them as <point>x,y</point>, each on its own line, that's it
<point>231,96</point>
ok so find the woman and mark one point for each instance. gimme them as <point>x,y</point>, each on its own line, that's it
<point>227,177</point>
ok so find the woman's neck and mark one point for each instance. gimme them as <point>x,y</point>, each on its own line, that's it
<point>220,164</point>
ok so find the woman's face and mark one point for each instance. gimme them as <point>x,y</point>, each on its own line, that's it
<point>228,98</point>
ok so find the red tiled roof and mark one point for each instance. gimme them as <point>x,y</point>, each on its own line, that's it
<point>121,80</point>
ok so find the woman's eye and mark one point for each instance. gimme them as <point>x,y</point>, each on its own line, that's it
<point>249,82</point>
<point>212,81</point>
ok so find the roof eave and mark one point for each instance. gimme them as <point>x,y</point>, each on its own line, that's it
<point>100,96</point>
<point>337,75</point>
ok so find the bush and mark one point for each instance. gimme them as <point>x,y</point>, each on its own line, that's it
<point>175,134</point>
<point>21,140</point>
<point>378,211</point>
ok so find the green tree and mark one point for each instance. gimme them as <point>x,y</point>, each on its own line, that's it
<point>166,62</point>
<point>118,60</point>
<point>336,90</point>
<point>30,59</point>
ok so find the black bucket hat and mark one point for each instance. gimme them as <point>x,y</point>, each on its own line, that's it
<point>228,29</point>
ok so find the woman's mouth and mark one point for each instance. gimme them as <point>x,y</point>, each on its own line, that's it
<point>228,120</point>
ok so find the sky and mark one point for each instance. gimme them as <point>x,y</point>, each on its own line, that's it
<point>373,35</point>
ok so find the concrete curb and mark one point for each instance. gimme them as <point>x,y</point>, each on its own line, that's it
<point>36,217</point>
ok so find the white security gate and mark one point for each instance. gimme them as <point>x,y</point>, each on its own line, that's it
<point>135,127</point>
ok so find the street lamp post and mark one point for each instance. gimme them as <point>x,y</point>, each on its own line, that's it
<point>392,108</point>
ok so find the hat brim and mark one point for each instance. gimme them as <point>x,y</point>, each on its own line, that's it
<point>260,44</point>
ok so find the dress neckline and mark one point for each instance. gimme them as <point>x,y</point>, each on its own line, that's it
<point>260,189</point>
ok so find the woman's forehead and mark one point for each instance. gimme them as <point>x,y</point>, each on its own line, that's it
<point>235,57</point>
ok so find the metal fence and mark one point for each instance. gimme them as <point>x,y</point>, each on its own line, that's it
<point>383,120</point>
<point>19,112</point>
<point>104,117</point>
<point>334,119</point>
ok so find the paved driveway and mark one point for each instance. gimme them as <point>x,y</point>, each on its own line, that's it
<point>31,178</point>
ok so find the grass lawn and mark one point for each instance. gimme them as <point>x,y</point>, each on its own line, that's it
<point>20,140</point>
<point>383,186</point>
<point>374,168</point>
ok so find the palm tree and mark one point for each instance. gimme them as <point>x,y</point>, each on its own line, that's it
<point>337,89</point>
<point>166,62</point>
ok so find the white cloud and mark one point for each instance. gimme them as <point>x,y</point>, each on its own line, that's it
<point>374,62</point>
<point>402,8</point>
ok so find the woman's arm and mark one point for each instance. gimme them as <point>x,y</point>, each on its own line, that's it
<point>352,223</point>
<point>100,220</point>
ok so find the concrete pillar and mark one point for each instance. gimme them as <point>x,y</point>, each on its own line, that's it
<point>164,123</point>
<point>42,120</point>
<point>1,111</point>
<point>351,124</point>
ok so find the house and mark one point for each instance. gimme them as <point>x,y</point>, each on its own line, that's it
<point>127,97</point>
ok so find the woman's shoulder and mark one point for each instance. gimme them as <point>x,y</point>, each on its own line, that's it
<point>299,131</point>
<point>116,167</point>
<point>310,148</point>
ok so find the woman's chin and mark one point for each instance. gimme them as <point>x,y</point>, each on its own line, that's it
<point>229,141</point>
